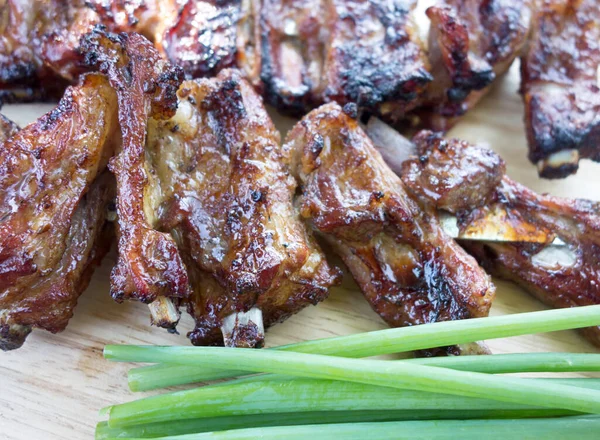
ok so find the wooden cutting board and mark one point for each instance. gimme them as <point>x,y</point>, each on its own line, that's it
<point>53,387</point>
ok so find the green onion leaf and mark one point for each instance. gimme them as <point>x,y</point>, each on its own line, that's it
<point>369,344</point>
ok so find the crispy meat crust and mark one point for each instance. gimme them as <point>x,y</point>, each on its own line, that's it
<point>37,46</point>
<point>228,202</point>
<point>451,174</point>
<point>203,39</point>
<point>407,267</point>
<point>149,264</point>
<point>560,85</point>
<point>576,222</point>
<point>471,42</point>
<point>345,51</point>
<point>52,229</point>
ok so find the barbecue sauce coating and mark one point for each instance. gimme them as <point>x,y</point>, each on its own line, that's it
<point>569,281</point>
<point>149,264</point>
<point>228,195</point>
<point>443,176</point>
<point>52,209</point>
<point>561,86</point>
<point>409,270</point>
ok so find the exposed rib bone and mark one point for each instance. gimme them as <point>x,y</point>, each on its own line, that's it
<point>163,313</point>
<point>244,329</point>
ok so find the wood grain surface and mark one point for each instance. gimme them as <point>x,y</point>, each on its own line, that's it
<point>53,387</point>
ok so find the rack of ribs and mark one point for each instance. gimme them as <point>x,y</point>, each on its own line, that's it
<point>560,268</point>
<point>470,43</point>
<point>561,86</point>
<point>54,195</point>
<point>408,268</point>
<point>228,195</point>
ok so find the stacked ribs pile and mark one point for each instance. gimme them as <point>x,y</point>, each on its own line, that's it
<point>214,214</point>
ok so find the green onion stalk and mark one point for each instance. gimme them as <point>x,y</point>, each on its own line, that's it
<point>171,372</point>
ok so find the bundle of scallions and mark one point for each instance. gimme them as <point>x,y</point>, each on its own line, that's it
<point>323,390</point>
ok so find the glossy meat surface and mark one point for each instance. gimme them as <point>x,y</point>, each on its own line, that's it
<point>37,46</point>
<point>203,39</point>
<point>560,276</point>
<point>52,215</point>
<point>471,43</point>
<point>149,265</point>
<point>560,86</point>
<point>315,51</point>
<point>451,175</point>
<point>228,201</point>
<point>569,279</point>
<point>407,267</point>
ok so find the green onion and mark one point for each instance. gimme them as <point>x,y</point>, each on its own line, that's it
<point>372,343</point>
<point>580,428</point>
<point>155,376</point>
<point>282,394</point>
<point>383,373</point>
<point>191,426</point>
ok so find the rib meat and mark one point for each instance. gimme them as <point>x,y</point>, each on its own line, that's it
<point>228,202</point>
<point>564,276</point>
<point>407,267</point>
<point>315,51</point>
<point>149,267</point>
<point>37,46</point>
<point>471,42</point>
<point>560,86</point>
<point>52,209</point>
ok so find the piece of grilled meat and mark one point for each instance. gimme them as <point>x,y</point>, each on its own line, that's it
<point>38,41</point>
<point>407,267</point>
<point>560,86</point>
<point>346,51</point>
<point>228,202</point>
<point>471,42</point>
<point>149,267</point>
<point>560,276</point>
<point>53,200</point>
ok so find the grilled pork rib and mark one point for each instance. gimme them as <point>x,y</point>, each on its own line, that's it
<point>561,86</point>
<point>459,173</point>
<point>471,42</point>
<point>38,41</point>
<point>149,267</point>
<point>228,203</point>
<point>53,198</point>
<point>409,270</point>
<point>300,53</point>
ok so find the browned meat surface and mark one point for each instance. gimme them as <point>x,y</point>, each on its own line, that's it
<point>315,51</point>
<point>407,267</point>
<point>52,228</point>
<point>150,18</point>
<point>561,86</point>
<point>471,42</point>
<point>203,40</point>
<point>149,267</point>
<point>451,175</point>
<point>560,276</point>
<point>228,202</point>
<point>37,46</point>
<point>293,52</point>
